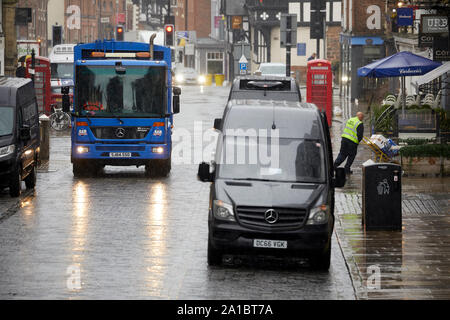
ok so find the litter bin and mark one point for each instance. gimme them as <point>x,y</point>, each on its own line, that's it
<point>219,79</point>
<point>381,196</point>
<point>208,79</point>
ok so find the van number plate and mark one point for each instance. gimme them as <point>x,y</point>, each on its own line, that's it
<point>120,154</point>
<point>273,244</point>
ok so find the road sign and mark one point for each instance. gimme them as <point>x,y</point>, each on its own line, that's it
<point>243,65</point>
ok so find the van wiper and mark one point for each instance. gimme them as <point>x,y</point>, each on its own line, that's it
<point>257,179</point>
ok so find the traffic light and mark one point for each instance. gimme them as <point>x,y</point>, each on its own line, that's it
<point>168,35</point>
<point>288,30</point>
<point>316,25</point>
<point>318,10</point>
<point>119,33</point>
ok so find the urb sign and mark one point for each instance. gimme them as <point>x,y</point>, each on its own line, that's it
<point>431,24</point>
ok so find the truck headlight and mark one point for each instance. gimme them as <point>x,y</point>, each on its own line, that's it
<point>6,151</point>
<point>201,79</point>
<point>158,150</point>
<point>318,215</point>
<point>223,211</point>
<point>82,149</point>
<point>179,78</point>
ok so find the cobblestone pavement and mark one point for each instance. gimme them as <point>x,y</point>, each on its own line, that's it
<point>411,264</point>
<point>130,237</point>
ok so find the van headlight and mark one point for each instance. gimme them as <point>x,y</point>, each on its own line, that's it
<point>6,151</point>
<point>318,215</point>
<point>223,211</point>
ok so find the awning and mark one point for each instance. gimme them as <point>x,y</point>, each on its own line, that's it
<point>362,41</point>
<point>433,74</point>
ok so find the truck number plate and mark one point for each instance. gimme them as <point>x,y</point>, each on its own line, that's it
<point>120,154</point>
<point>274,244</point>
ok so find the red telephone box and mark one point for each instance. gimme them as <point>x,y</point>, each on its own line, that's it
<point>319,86</point>
<point>42,86</point>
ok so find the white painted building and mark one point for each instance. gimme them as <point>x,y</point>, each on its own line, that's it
<point>55,17</point>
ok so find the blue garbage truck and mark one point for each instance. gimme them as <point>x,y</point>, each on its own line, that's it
<point>123,108</point>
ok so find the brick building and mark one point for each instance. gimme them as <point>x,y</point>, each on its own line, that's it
<point>98,19</point>
<point>193,15</point>
<point>37,28</point>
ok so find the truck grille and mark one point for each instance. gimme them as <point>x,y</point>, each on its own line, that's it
<point>120,132</point>
<point>288,218</point>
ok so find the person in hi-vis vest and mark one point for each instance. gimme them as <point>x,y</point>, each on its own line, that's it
<point>351,137</point>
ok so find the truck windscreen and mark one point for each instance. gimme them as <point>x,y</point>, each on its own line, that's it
<point>128,91</point>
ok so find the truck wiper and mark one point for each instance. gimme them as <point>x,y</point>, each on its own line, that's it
<point>117,117</point>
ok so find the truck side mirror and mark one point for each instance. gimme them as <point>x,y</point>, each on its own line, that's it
<point>176,104</point>
<point>25,133</point>
<point>176,91</point>
<point>65,99</point>
<point>217,123</point>
<point>203,174</point>
<point>339,178</point>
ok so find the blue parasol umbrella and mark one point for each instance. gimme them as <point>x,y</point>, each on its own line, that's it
<point>401,64</point>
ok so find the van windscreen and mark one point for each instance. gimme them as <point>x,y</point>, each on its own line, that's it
<point>262,158</point>
<point>6,121</point>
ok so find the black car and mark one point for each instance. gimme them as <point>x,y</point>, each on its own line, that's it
<point>282,206</point>
<point>265,88</point>
<point>19,134</point>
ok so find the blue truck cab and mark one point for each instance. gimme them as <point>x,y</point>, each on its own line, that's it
<point>123,107</point>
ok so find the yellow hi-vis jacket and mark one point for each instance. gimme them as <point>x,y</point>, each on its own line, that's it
<point>350,131</point>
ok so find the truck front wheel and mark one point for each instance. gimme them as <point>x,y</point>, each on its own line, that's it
<point>158,168</point>
<point>78,169</point>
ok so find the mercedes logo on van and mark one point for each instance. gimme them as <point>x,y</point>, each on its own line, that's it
<point>271,216</point>
<point>120,133</point>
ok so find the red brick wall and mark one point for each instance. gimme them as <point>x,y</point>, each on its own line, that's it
<point>198,15</point>
<point>333,45</point>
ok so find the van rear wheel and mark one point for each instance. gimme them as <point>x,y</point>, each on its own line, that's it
<point>30,180</point>
<point>15,187</point>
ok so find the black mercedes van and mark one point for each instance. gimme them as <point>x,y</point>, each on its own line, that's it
<point>19,134</point>
<point>273,182</point>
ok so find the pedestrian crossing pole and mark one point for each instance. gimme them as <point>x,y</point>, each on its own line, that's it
<point>288,37</point>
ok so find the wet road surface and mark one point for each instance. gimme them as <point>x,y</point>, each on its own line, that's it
<point>125,236</point>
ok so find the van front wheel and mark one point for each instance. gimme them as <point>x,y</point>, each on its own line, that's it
<point>15,187</point>
<point>214,255</point>
<point>321,260</point>
<point>30,180</point>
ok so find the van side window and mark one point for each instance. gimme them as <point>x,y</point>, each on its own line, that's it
<point>30,113</point>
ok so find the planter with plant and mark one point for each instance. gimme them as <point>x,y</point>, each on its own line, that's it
<point>382,120</point>
<point>426,159</point>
